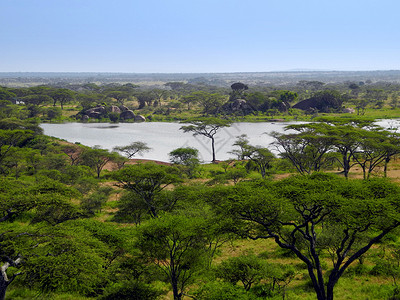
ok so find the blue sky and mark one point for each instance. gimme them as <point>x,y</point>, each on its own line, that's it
<point>176,36</point>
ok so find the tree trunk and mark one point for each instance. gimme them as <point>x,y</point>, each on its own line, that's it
<point>175,290</point>
<point>4,281</point>
<point>387,159</point>
<point>329,291</point>
<point>3,288</point>
<point>346,166</point>
<point>213,149</point>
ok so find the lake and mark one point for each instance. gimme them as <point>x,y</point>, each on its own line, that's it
<point>163,137</point>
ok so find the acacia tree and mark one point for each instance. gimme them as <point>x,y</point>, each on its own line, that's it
<point>147,181</point>
<point>238,89</point>
<point>306,149</point>
<point>207,127</point>
<point>187,158</point>
<point>210,102</point>
<point>301,214</point>
<point>62,96</point>
<point>47,202</point>
<point>261,156</point>
<point>376,148</point>
<point>133,148</point>
<point>10,139</point>
<point>178,245</point>
<point>120,96</point>
<point>96,158</point>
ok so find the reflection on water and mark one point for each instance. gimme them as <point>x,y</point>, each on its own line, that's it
<point>104,127</point>
<point>162,137</point>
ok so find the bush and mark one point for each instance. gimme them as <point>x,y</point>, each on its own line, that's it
<point>132,290</point>
<point>222,291</point>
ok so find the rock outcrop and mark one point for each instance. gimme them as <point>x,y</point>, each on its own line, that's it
<point>237,106</point>
<point>123,112</point>
<point>127,115</point>
<point>140,118</point>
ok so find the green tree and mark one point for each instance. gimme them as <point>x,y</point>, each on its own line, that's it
<point>132,149</point>
<point>207,127</point>
<point>376,147</point>
<point>210,102</point>
<point>248,269</point>
<point>5,94</point>
<point>144,98</point>
<point>238,89</point>
<point>177,245</point>
<point>96,158</point>
<point>53,113</point>
<point>36,100</point>
<point>62,96</point>
<point>47,202</point>
<point>301,212</point>
<point>261,156</point>
<point>120,96</point>
<point>10,139</point>
<point>187,158</point>
<point>307,149</point>
<point>146,181</point>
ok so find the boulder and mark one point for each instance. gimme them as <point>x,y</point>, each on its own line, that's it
<point>237,106</point>
<point>94,114</point>
<point>348,110</point>
<point>123,108</point>
<point>114,109</point>
<point>140,118</point>
<point>127,114</point>
<point>85,118</point>
<point>99,110</point>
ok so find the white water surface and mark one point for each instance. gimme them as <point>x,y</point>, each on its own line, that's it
<point>163,137</point>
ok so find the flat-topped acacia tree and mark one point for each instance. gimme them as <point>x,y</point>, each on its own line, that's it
<point>207,127</point>
<point>312,216</point>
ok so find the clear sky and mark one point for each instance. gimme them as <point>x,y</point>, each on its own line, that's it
<point>181,36</point>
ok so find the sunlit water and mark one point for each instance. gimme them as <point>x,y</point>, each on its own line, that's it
<point>163,137</point>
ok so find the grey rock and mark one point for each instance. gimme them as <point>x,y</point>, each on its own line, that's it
<point>140,118</point>
<point>127,114</point>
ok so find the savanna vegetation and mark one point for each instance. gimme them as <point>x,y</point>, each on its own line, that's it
<point>182,100</point>
<point>320,220</point>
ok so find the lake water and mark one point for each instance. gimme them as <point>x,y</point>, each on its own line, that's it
<point>162,137</point>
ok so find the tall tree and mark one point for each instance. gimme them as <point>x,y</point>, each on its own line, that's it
<point>133,148</point>
<point>147,181</point>
<point>62,96</point>
<point>186,158</point>
<point>261,156</point>
<point>96,158</point>
<point>47,202</point>
<point>306,149</point>
<point>207,127</point>
<point>177,245</point>
<point>310,215</point>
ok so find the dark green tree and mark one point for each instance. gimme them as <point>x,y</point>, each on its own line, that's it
<point>147,181</point>
<point>96,158</point>
<point>62,96</point>
<point>187,158</point>
<point>301,212</point>
<point>307,149</point>
<point>178,245</point>
<point>248,269</point>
